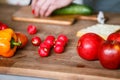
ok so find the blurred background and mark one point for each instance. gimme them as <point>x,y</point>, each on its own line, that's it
<point>26,2</point>
<point>15,2</point>
<point>98,5</point>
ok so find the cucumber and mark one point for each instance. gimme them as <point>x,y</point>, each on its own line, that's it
<point>74,9</point>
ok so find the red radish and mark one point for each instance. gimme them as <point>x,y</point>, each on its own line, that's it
<point>44,48</point>
<point>43,52</point>
<point>58,49</point>
<point>36,41</point>
<point>32,29</point>
<point>45,45</point>
<point>60,42</point>
<point>3,26</point>
<point>63,38</point>
<point>50,37</point>
<point>50,40</point>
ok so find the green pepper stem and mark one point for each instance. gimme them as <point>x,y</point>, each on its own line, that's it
<point>16,43</point>
<point>13,43</point>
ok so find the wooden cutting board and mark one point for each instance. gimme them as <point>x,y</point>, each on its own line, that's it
<point>25,14</point>
<point>65,66</point>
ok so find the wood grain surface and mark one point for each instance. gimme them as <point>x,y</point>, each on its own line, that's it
<point>65,66</point>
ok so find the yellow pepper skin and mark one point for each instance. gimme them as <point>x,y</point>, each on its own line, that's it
<point>8,42</point>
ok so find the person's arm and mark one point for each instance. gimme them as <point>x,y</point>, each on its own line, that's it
<point>46,7</point>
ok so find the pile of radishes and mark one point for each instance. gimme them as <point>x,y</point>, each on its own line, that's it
<point>91,46</point>
<point>50,42</point>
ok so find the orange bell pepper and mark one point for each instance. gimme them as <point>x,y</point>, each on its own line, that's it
<point>8,42</point>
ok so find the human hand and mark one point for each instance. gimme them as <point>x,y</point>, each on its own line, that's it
<point>46,7</point>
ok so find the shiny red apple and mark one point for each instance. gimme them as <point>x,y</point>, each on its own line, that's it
<point>114,36</point>
<point>109,54</point>
<point>88,46</point>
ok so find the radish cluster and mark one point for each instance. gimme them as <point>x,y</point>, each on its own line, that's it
<point>50,42</point>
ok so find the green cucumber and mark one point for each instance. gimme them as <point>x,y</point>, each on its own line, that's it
<point>74,9</point>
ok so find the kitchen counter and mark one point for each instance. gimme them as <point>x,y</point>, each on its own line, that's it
<point>65,66</point>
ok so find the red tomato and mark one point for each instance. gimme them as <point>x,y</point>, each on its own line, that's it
<point>63,38</point>
<point>114,36</point>
<point>36,41</point>
<point>58,49</point>
<point>22,38</point>
<point>32,29</point>
<point>88,46</point>
<point>43,52</point>
<point>109,55</point>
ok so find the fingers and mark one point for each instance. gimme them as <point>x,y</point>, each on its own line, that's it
<point>44,8</point>
<point>33,4</point>
<point>50,10</point>
<point>38,6</point>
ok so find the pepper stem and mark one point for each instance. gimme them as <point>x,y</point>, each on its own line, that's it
<point>13,43</point>
<point>16,43</point>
